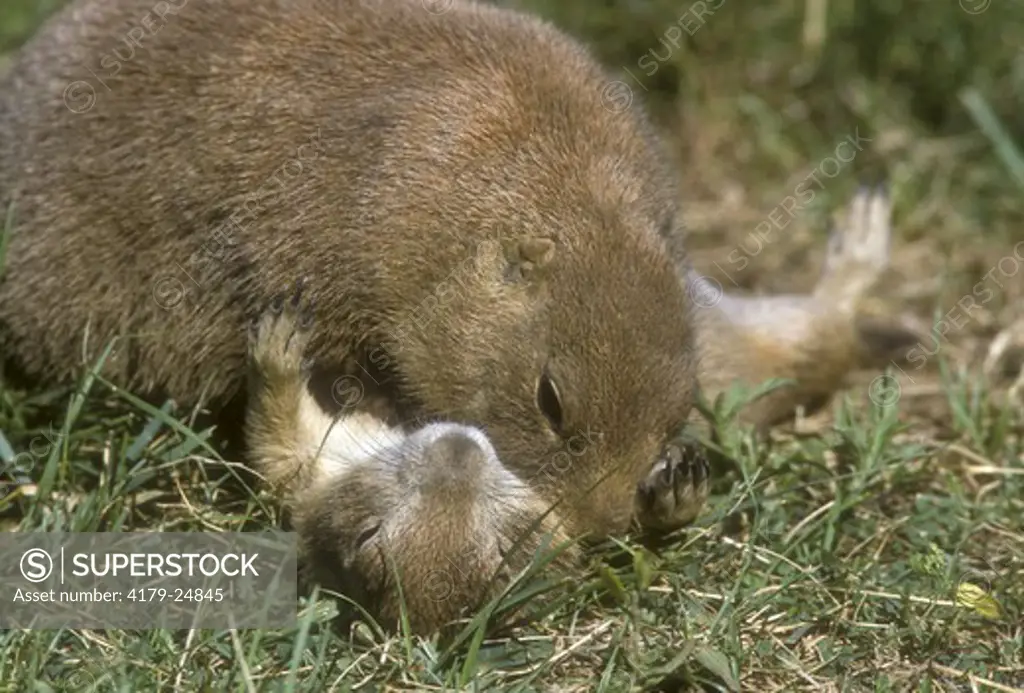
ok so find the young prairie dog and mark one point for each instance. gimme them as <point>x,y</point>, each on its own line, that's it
<point>434,508</point>
<point>437,506</point>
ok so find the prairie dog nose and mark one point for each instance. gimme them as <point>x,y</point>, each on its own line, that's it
<point>455,458</point>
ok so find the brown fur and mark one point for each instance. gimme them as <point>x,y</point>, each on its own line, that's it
<point>469,215</point>
<point>452,149</point>
<point>812,340</point>
<point>437,507</point>
<point>433,510</point>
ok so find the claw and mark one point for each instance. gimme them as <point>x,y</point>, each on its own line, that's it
<point>675,489</point>
<point>703,469</point>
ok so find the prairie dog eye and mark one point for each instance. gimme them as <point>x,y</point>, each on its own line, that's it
<point>549,401</point>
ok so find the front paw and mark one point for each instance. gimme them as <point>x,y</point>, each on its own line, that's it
<point>278,336</point>
<point>676,489</point>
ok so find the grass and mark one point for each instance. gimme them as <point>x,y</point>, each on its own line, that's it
<point>834,560</point>
<point>865,549</point>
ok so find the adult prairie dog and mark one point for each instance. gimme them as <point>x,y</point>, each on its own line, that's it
<point>435,510</point>
<point>481,226</point>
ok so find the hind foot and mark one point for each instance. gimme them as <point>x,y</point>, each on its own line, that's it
<point>1005,359</point>
<point>858,251</point>
<point>278,337</point>
<point>675,490</point>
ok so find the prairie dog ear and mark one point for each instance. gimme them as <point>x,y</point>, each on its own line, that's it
<point>527,257</point>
